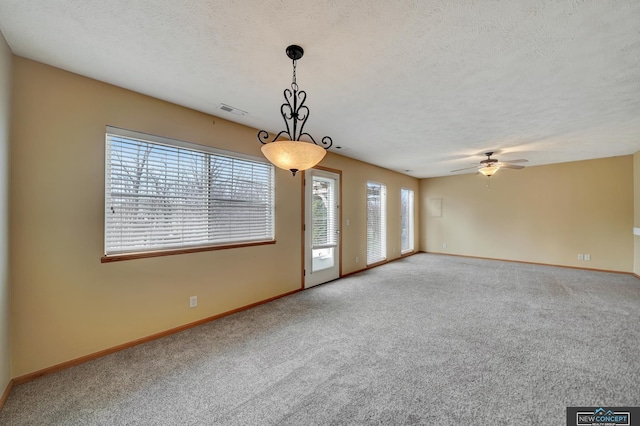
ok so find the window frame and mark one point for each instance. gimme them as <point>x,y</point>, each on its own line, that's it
<point>118,255</point>
<point>382,223</point>
<point>410,220</point>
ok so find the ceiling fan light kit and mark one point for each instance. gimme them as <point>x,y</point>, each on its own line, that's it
<point>489,170</point>
<point>293,154</point>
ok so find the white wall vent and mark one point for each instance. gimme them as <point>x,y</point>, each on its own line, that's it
<point>232,110</point>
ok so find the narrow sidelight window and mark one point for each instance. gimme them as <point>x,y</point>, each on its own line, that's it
<point>406,220</point>
<point>376,222</point>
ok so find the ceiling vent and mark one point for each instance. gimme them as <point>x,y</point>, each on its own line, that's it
<point>232,110</point>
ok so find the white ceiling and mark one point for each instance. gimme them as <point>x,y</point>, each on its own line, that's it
<point>424,85</point>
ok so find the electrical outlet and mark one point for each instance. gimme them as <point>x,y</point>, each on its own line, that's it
<point>193,301</point>
<point>444,245</point>
<point>587,257</point>
<point>581,256</point>
<point>357,259</point>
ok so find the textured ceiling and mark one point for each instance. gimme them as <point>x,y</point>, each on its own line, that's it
<point>425,86</point>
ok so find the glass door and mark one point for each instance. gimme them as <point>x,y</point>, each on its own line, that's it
<point>322,227</point>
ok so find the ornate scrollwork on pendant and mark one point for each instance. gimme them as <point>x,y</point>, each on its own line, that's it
<point>295,114</point>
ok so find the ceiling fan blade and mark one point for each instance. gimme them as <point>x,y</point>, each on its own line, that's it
<point>521,160</point>
<point>511,166</point>
<point>466,168</point>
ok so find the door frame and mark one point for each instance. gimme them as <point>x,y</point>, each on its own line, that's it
<point>302,228</point>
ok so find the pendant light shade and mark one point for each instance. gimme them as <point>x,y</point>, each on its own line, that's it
<point>294,155</point>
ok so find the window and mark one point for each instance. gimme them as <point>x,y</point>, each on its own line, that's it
<point>162,194</point>
<point>406,220</point>
<point>376,222</point>
<point>324,221</point>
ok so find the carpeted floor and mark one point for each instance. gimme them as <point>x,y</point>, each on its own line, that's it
<point>428,339</point>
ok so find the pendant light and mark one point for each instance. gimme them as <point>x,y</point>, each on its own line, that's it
<point>293,154</point>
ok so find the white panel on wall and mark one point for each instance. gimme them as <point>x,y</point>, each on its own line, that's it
<point>435,207</point>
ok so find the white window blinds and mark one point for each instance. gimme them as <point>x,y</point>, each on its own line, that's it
<point>406,220</point>
<point>162,194</point>
<point>376,222</point>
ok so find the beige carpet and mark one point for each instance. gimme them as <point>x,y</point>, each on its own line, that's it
<point>425,340</point>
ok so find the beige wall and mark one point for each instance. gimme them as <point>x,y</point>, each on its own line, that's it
<point>545,214</point>
<point>636,211</point>
<point>66,303</point>
<point>5,118</point>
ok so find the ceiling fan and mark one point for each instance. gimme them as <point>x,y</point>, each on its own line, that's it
<point>490,166</point>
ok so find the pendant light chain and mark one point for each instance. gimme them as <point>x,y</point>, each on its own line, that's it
<point>294,85</point>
